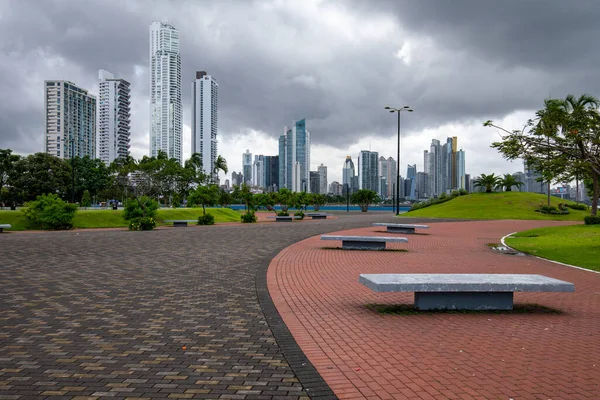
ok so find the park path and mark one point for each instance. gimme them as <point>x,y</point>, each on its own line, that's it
<point>363,354</point>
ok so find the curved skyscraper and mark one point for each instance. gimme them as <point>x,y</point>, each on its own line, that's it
<point>165,91</point>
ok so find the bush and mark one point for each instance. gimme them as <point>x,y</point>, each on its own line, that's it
<point>249,217</point>
<point>207,219</point>
<point>142,224</point>
<point>282,214</point>
<point>592,220</point>
<point>86,200</point>
<point>299,214</point>
<point>48,211</point>
<point>561,210</point>
<point>133,209</point>
<point>582,207</point>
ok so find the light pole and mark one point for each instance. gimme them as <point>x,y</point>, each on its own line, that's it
<point>72,141</point>
<point>398,110</point>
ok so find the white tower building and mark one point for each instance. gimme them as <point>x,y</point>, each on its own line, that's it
<point>205,119</point>
<point>165,91</point>
<point>113,117</point>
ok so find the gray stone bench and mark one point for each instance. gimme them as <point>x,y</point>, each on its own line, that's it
<point>364,242</point>
<point>318,215</point>
<point>463,291</point>
<point>284,218</point>
<point>181,222</point>
<point>4,226</point>
<point>401,228</point>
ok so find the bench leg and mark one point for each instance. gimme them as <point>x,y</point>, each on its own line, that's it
<point>394,229</point>
<point>464,300</point>
<point>354,245</point>
<point>179,224</point>
<point>1,230</point>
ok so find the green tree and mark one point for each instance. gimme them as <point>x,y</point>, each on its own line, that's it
<point>285,197</point>
<point>7,164</point>
<point>39,174</point>
<point>91,175</point>
<point>225,198</point>
<point>507,182</point>
<point>317,200</point>
<point>86,199</point>
<point>220,165</point>
<point>205,196</point>
<point>48,211</point>
<point>489,182</point>
<point>365,197</point>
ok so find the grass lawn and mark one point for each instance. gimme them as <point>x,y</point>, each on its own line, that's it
<point>576,245</point>
<point>500,205</point>
<point>114,219</point>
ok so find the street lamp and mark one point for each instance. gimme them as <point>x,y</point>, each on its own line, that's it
<point>398,110</point>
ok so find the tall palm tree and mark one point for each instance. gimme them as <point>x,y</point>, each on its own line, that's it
<point>489,182</point>
<point>220,164</point>
<point>507,182</point>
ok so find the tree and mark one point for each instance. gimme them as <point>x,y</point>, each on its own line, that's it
<point>562,140</point>
<point>365,197</point>
<point>285,198</point>
<point>267,200</point>
<point>317,200</point>
<point>489,182</point>
<point>225,198</point>
<point>39,174</point>
<point>91,175</point>
<point>205,196</point>
<point>86,199</point>
<point>220,164</point>
<point>507,182</point>
<point>7,164</point>
<point>246,196</point>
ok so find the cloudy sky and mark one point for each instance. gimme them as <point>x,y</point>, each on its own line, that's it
<point>336,63</point>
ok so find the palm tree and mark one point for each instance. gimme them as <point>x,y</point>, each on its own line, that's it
<point>507,182</point>
<point>489,182</point>
<point>364,197</point>
<point>220,164</point>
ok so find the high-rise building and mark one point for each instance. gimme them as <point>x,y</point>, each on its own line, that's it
<point>271,172</point>
<point>205,120</point>
<point>336,189</point>
<point>315,182</point>
<point>367,170</point>
<point>433,162</point>
<point>237,179</point>
<point>387,173</point>
<point>533,181</point>
<point>348,175</point>
<point>258,175</point>
<point>410,185</point>
<point>294,158</point>
<point>422,186</point>
<point>322,169</point>
<point>165,91</point>
<point>247,167</point>
<point>113,118</point>
<point>468,185</point>
<point>460,170</point>
<point>70,124</point>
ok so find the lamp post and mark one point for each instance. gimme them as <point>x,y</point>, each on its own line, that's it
<point>72,141</point>
<point>398,110</point>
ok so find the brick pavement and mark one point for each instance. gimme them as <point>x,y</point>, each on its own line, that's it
<point>174,313</point>
<point>363,354</point>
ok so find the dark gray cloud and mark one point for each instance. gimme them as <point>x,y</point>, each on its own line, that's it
<point>333,63</point>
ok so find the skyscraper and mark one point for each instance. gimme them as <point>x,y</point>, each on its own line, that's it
<point>294,158</point>
<point>433,162</point>
<point>367,170</point>
<point>247,167</point>
<point>113,117</point>
<point>460,170</point>
<point>70,124</point>
<point>258,173</point>
<point>165,91</point>
<point>271,171</point>
<point>322,170</point>
<point>411,182</point>
<point>387,174</point>
<point>315,182</point>
<point>348,175</point>
<point>205,119</point>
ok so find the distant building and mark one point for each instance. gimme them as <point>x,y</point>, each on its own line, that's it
<point>70,124</point>
<point>533,181</point>
<point>322,170</point>
<point>258,175</point>
<point>410,185</point>
<point>349,175</point>
<point>271,173</point>
<point>422,186</point>
<point>113,118</point>
<point>237,179</point>
<point>387,177</point>
<point>205,120</point>
<point>461,182</point>
<point>367,170</point>
<point>247,167</point>
<point>315,182</point>
<point>336,189</point>
<point>294,158</point>
<point>468,183</point>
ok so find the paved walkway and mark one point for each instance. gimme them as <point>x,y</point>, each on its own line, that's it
<point>364,354</point>
<point>174,313</point>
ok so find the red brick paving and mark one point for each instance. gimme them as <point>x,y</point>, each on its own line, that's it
<point>363,354</point>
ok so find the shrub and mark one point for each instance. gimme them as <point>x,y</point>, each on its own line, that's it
<point>592,220</point>
<point>299,214</point>
<point>142,224</point>
<point>561,210</point>
<point>282,214</point>
<point>582,207</point>
<point>207,219</point>
<point>134,210</point>
<point>86,200</point>
<point>48,211</point>
<point>462,192</point>
<point>249,217</point>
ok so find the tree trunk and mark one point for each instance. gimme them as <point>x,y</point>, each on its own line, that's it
<point>596,194</point>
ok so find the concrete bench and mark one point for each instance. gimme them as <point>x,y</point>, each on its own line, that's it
<point>284,218</point>
<point>364,242</point>
<point>180,222</point>
<point>464,291</point>
<point>4,226</point>
<point>401,228</point>
<point>318,215</point>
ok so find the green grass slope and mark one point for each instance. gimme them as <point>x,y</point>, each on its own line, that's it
<point>114,219</point>
<point>500,205</point>
<point>577,245</point>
